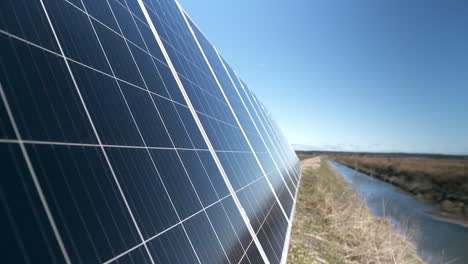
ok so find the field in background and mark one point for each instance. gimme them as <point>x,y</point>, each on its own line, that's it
<point>331,224</point>
<point>442,182</point>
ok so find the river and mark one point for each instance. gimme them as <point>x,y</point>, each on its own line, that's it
<point>438,241</point>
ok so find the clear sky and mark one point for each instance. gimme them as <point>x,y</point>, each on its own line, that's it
<point>367,75</point>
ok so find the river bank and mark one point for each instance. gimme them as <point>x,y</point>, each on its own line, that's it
<point>332,225</point>
<point>443,183</point>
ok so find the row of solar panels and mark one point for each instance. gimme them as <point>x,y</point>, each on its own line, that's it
<point>126,138</point>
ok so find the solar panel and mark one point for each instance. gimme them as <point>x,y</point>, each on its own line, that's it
<point>126,138</point>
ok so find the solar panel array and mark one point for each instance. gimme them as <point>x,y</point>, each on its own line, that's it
<point>126,138</point>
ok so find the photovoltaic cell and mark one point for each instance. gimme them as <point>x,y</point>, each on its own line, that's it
<point>126,138</point>
<point>26,232</point>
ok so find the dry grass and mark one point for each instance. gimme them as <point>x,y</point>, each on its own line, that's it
<point>438,170</point>
<point>332,225</point>
<point>442,182</point>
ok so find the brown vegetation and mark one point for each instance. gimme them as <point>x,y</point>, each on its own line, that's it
<point>332,225</point>
<point>443,182</point>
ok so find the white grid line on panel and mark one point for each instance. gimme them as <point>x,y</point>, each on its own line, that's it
<point>95,130</point>
<point>234,114</point>
<point>197,120</point>
<point>42,142</point>
<point>253,122</point>
<point>261,122</point>
<point>35,179</point>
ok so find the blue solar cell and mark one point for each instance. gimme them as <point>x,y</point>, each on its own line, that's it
<point>224,229</point>
<point>26,20</point>
<point>172,246</point>
<point>205,240</point>
<point>199,177</point>
<point>107,107</point>
<point>26,232</point>
<point>143,188</point>
<point>6,131</point>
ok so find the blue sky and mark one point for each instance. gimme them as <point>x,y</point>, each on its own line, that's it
<point>364,75</point>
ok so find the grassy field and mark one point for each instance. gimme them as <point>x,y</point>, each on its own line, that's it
<point>332,225</point>
<point>443,182</point>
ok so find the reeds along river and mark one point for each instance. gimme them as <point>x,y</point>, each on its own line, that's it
<point>438,241</point>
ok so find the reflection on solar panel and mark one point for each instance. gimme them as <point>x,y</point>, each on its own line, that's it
<point>126,138</point>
